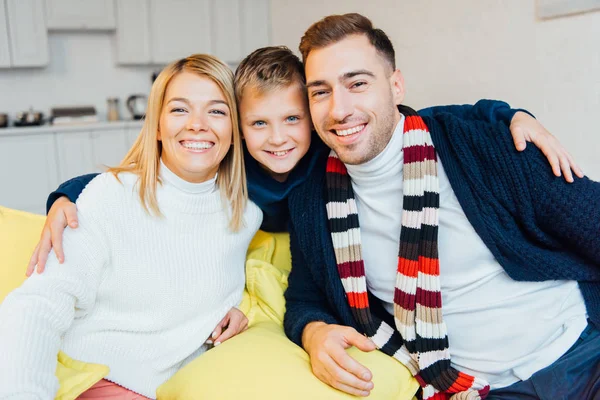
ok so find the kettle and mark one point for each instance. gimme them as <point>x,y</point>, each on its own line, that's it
<point>136,104</point>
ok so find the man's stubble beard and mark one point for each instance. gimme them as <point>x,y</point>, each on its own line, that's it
<point>379,138</point>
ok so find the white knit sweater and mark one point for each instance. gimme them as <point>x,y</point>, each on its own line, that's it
<point>138,293</point>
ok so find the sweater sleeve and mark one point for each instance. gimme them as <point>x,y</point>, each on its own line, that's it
<point>36,315</point>
<point>305,303</point>
<point>70,189</point>
<point>491,111</point>
<point>570,212</point>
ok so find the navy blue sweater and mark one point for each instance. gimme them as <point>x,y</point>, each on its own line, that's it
<point>271,195</point>
<point>537,226</point>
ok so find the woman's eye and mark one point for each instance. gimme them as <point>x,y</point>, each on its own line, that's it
<point>177,110</point>
<point>292,118</point>
<point>218,112</point>
<point>259,123</point>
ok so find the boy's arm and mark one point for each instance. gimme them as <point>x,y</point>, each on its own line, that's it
<point>523,128</point>
<point>70,189</point>
<point>484,110</point>
<point>61,211</point>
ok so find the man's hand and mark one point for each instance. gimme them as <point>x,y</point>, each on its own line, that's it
<point>524,128</point>
<point>326,345</point>
<point>61,213</point>
<point>234,322</point>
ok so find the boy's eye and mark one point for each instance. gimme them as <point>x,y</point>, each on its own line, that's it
<point>318,93</point>
<point>259,124</point>
<point>293,118</point>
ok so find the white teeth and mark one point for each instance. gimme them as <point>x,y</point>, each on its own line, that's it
<point>280,153</point>
<point>350,131</point>
<point>197,145</point>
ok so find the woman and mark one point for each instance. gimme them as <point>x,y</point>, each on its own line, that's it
<point>158,258</point>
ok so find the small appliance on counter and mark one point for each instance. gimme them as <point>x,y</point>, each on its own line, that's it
<point>3,120</point>
<point>136,104</point>
<point>29,118</point>
<point>73,115</point>
<point>112,109</point>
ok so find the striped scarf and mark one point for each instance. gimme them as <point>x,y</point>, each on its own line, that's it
<point>420,340</point>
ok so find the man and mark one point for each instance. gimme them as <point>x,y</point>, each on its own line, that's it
<point>519,251</point>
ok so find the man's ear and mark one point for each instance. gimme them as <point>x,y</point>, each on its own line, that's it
<point>397,84</point>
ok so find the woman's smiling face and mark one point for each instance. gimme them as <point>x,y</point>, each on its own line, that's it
<point>195,127</point>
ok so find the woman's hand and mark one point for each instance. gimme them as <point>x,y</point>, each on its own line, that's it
<point>61,213</point>
<point>233,323</point>
<point>524,128</point>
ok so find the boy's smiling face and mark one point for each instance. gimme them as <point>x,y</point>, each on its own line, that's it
<point>277,128</point>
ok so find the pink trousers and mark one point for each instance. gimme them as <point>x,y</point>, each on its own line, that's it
<point>108,390</point>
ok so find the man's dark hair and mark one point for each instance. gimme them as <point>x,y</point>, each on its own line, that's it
<point>334,28</point>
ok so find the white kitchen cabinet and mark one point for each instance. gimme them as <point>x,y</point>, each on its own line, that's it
<point>80,14</point>
<point>4,43</point>
<point>27,171</point>
<point>4,53</point>
<point>108,148</point>
<point>28,37</point>
<point>179,28</point>
<point>255,25</point>
<point>162,31</point>
<point>133,32</point>
<point>132,133</point>
<point>34,161</point>
<point>75,156</point>
<point>227,39</point>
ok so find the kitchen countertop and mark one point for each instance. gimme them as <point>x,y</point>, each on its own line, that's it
<point>91,127</point>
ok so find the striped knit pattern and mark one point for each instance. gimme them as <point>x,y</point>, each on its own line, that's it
<point>420,340</point>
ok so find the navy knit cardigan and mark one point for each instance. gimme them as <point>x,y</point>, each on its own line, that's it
<point>537,226</point>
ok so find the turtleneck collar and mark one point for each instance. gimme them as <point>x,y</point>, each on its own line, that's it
<point>170,178</point>
<point>185,197</point>
<point>385,165</point>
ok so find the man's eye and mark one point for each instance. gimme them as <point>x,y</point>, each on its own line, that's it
<point>318,93</point>
<point>292,118</point>
<point>259,123</point>
<point>359,84</point>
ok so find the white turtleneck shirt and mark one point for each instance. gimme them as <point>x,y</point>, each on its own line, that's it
<point>499,329</point>
<point>138,293</point>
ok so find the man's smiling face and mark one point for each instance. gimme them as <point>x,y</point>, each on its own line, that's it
<point>353,92</point>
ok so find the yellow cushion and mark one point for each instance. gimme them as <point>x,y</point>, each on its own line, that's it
<point>268,264</point>
<point>262,363</point>
<point>19,234</point>
<point>75,377</point>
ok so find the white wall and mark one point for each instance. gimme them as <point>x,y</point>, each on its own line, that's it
<point>82,71</point>
<point>462,50</point>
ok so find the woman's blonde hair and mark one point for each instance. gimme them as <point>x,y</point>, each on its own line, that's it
<point>143,159</point>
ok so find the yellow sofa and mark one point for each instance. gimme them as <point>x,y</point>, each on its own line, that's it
<point>261,363</point>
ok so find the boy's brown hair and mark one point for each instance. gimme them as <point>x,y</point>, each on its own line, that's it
<point>334,28</point>
<point>268,68</point>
